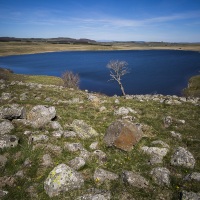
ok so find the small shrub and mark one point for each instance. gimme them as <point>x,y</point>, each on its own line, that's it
<point>70,79</point>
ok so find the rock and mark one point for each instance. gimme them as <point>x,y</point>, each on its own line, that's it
<point>123,135</point>
<point>69,134</point>
<point>124,111</point>
<point>27,163</point>
<point>134,179</point>
<point>38,138</point>
<point>55,125</point>
<point>23,97</point>
<point>100,155</point>
<point>182,157</point>
<point>101,175</point>
<point>94,145</point>
<point>161,176</point>
<point>73,146</point>
<point>156,154</point>
<point>20,174</point>
<point>32,192</point>
<point>77,163</point>
<point>3,193</point>
<point>6,96</point>
<point>7,141</point>
<point>176,135</point>
<point>54,149</point>
<point>3,161</point>
<point>93,98</point>
<point>193,176</point>
<point>102,108</point>
<point>61,179</point>
<point>47,160</point>
<point>83,130</point>
<point>85,154</point>
<point>40,115</point>
<point>167,121</point>
<point>13,111</point>
<point>7,181</point>
<point>117,101</point>
<point>6,127</point>
<point>189,195</point>
<point>57,134</point>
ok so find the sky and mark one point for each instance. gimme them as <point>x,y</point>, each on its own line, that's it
<point>116,20</point>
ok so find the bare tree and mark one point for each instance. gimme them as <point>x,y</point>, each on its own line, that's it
<point>70,79</point>
<point>117,70</point>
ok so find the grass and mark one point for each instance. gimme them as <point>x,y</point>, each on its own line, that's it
<point>150,113</point>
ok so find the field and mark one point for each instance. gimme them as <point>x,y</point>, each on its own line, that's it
<point>18,48</point>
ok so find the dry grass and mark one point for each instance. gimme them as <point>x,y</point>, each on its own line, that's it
<point>18,48</point>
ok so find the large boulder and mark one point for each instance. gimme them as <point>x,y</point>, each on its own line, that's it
<point>13,111</point>
<point>62,179</point>
<point>182,157</point>
<point>83,130</point>
<point>123,135</point>
<point>6,127</point>
<point>41,115</point>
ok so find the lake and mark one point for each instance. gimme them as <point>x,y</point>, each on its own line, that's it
<point>151,71</point>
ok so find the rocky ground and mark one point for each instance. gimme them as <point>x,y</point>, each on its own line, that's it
<point>58,143</point>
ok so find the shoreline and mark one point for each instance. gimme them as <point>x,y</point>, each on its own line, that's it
<point>21,48</point>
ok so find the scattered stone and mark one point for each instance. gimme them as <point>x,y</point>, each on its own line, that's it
<point>85,154</point>
<point>38,138</point>
<point>193,176</point>
<point>6,96</point>
<point>102,108</point>
<point>189,195</point>
<point>182,157</point>
<point>128,117</point>
<point>101,175</point>
<point>20,174</point>
<point>117,101</point>
<point>161,176</point>
<point>93,98</point>
<point>57,134</point>
<point>13,111</point>
<point>176,135</point>
<point>7,181</point>
<point>69,134</point>
<point>7,141</point>
<point>55,125</point>
<point>27,163</point>
<point>23,97</point>
<point>124,111</point>
<point>77,163</point>
<point>54,149</point>
<point>61,179</point>
<point>3,193</point>
<point>167,121</point>
<point>3,161</point>
<point>163,144</point>
<point>41,115</point>
<point>47,160</point>
<point>94,145</point>
<point>73,146</point>
<point>6,127</point>
<point>83,130</point>
<point>32,192</point>
<point>134,179</point>
<point>100,155</point>
<point>123,135</point>
<point>156,154</point>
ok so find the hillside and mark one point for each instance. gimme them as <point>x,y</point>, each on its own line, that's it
<point>53,144</point>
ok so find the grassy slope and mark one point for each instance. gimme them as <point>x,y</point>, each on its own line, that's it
<point>193,87</point>
<point>149,113</point>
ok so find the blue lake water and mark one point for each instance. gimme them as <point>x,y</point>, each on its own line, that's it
<point>151,71</point>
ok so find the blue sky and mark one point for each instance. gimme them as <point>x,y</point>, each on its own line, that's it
<point>122,20</point>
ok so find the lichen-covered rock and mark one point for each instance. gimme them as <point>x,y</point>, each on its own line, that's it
<point>134,179</point>
<point>62,179</point>
<point>124,111</point>
<point>77,163</point>
<point>73,146</point>
<point>6,96</point>
<point>161,176</point>
<point>7,141</point>
<point>182,157</point>
<point>195,176</point>
<point>86,155</point>
<point>69,134</point>
<point>83,130</point>
<point>155,153</point>
<point>176,135</point>
<point>47,160</point>
<point>6,127</point>
<point>123,135</point>
<point>94,145</point>
<point>55,125</point>
<point>189,195</point>
<point>101,175</point>
<point>13,111</point>
<point>100,155</point>
<point>41,115</point>
<point>38,138</point>
<point>57,134</point>
<point>167,121</point>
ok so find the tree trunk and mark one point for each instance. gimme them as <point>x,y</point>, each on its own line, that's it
<point>122,89</point>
